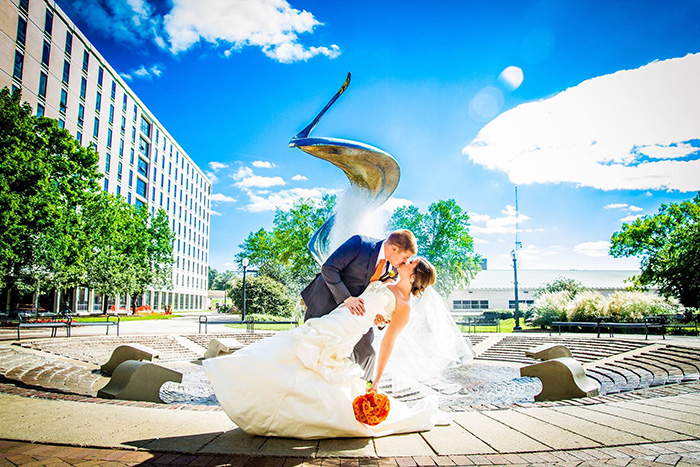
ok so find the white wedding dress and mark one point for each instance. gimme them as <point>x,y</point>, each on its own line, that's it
<point>301,383</point>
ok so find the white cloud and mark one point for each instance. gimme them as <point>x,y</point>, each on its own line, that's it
<point>242,172</point>
<point>635,208</point>
<point>212,176</point>
<point>495,225</point>
<point>257,181</point>
<point>213,165</point>
<point>595,134</point>
<point>221,198</point>
<point>631,218</point>
<point>143,72</point>
<point>214,213</point>
<point>593,249</point>
<point>511,77</point>
<point>283,199</point>
<point>263,164</point>
<point>299,177</point>
<point>272,25</point>
<point>616,206</point>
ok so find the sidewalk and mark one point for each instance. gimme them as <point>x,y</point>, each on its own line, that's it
<point>656,426</point>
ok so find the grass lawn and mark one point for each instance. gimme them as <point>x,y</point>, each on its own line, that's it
<point>507,325</point>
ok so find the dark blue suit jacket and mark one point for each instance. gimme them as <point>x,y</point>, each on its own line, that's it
<point>346,273</point>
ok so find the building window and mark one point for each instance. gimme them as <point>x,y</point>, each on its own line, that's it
<point>61,123</point>
<point>86,60</point>
<point>141,188</point>
<point>100,76</point>
<point>46,54</point>
<point>114,89</point>
<point>145,127</point>
<point>124,104</point>
<point>109,138</point>
<point>19,64</point>
<point>24,5</point>
<point>111,114</point>
<point>153,195</point>
<point>40,110</point>
<point>107,160</point>
<point>123,127</point>
<point>21,30</point>
<point>81,114</point>
<point>96,129</point>
<point>470,304</point>
<point>64,101</point>
<point>511,303</point>
<point>48,22</point>
<point>121,148</point>
<point>131,160</point>
<point>98,102</point>
<point>143,167</point>
<point>138,203</point>
<point>83,87</point>
<point>43,79</point>
<point>106,184</point>
<point>119,190</point>
<point>119,171</point>
<point>66,71</point>
<point>131,177</point>
<point>79,137</point>
<point>133,134</point>
<point>69,43</point>
<point>155,175</point>
<point>143,147</point>
<point>136,112</point>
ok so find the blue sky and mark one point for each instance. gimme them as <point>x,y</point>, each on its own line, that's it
<point>591,108</point>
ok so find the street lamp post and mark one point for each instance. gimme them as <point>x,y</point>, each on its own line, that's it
<point>517,327</point>
<point>244,263</point>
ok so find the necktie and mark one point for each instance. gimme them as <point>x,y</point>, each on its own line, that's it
<point>378,270</point>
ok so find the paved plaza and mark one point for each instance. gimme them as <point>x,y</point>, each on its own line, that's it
<point>50,415</point>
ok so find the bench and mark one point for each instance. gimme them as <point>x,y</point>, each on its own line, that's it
<point>222,346</point>
<point>650,322</point>
<point>128,352</point>
<point>49,321</point>
<point>138,381</point>
<point>110,320</point>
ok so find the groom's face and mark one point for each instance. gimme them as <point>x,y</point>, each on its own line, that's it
<point>397,256</point>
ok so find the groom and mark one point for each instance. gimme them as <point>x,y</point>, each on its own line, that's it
<point>346,274</point>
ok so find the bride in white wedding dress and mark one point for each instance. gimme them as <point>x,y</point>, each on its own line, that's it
<point>301,383</point>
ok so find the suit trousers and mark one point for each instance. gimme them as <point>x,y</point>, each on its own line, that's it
<point>364,355</point>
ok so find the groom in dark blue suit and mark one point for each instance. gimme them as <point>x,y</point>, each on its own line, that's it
<point>346,274</point>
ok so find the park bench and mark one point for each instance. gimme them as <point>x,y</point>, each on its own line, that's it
<point>484,320</point>
<point>649,322</point>
<point>583,324</point>
<point>109,321</point>
<point>43,321</point>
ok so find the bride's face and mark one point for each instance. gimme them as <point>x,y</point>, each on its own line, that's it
<point>406,269</point>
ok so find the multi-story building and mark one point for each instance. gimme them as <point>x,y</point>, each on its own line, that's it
<point>64,77</point>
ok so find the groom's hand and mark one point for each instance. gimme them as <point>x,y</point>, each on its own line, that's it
<point>355,305</point>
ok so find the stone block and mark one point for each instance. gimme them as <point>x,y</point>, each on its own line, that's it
<point>138,381</point>
<point>548,352</point>
<point>128,352</point>
<point>222,346</point>
<point>562,378</point>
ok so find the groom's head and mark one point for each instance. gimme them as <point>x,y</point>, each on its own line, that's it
<point>400,246</point>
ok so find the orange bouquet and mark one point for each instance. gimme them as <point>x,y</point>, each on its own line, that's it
<point>371,408</point>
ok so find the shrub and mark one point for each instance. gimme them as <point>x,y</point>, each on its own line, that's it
<point>586,306</point>
<point>634,306</point>
<point>264,296</point>
<point>549,307</point>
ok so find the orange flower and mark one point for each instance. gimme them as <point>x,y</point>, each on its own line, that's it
<point>371,408</point>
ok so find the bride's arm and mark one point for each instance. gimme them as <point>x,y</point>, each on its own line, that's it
<point>396,325</point>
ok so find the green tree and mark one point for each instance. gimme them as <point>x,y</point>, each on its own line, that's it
<point>264,295</point>
<point>282,254</point>
<point>46,179</point>
<point>211,277</point>
<point>668,245</point>
<point>443,239</point>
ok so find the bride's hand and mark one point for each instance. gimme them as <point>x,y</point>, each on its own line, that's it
<point>374,387</point>
<point>380,322</point>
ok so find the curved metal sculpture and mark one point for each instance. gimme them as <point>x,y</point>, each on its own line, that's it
<point>369,169</point>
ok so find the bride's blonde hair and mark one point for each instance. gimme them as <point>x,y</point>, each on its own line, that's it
<point>424,276</point>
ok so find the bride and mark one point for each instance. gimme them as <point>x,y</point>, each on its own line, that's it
<point>301,383</point>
